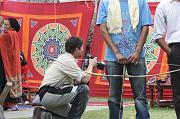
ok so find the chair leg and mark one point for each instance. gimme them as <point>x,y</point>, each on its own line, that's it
<point>1,112</point>
<point>29,95</point>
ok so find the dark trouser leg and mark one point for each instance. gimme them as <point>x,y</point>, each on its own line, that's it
<point>138,86</point>
<point>79,103</point>
<point>115,90</point>
<point>115,112</point>
<point>24,97</point>
<point>174,58</point>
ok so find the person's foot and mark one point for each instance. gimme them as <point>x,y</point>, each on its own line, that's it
<point>13,108</point>
<point>5,108</point>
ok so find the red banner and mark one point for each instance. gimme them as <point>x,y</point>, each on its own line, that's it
<point>45,27</point>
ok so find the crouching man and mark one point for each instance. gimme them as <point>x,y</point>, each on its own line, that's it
<point>63,90</point>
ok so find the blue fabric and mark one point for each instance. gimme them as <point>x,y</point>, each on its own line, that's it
<point>138,86</point>
<point>128,39</point>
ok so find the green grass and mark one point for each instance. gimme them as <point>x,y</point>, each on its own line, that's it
<point>129,113</point>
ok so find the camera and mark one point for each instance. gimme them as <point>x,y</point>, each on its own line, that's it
<point>100,64</point>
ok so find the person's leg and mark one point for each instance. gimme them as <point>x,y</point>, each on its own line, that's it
<point>24,97</point>
<point>138,86</point>
<point>174,64</point>
<point>115,90</point>
<point>58,104</point>
<point>11,103</point>
<point>79,103</point>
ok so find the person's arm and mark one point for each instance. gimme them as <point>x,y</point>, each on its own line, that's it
<point>160,28</point>
<point>161,42</point>
<point>102,21</point>
<point>92,64</point>
<point>105,35</point>
<point>143,36</point>
<point>145,21</point>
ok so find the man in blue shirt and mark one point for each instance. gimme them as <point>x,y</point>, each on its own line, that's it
<point>124,25</point>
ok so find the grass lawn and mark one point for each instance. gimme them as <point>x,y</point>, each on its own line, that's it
<point>129,113</point>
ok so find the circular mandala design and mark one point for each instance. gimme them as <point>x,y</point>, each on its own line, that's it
<point>48,43</point>
<point>152,52</point>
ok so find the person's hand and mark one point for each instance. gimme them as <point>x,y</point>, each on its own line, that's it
<point>93,62</point>
<point>134,58</point>
<point>121,59</point>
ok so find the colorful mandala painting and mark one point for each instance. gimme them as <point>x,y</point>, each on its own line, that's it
<point>152,52</point>
<point>48,43</point>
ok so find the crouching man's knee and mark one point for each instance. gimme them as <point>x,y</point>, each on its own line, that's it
<point>83,89</point>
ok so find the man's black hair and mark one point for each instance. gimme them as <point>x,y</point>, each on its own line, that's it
<point>72,43</point>
<point>14,24</point>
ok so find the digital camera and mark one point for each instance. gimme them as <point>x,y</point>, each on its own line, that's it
<point>100,64</point>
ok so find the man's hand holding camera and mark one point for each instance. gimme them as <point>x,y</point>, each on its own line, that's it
<point>93,62</point>
<point>99,64</point>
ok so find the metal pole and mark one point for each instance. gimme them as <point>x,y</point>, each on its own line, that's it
<point>121,103</point>
<point>3,97</point>
<point>5,92</point>
<point>2,112</point>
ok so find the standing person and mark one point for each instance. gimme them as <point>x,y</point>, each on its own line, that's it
<point>24,72</point>
<point>10,63</point>
<point>124,26</point>
<point>167,24</point>
<point>12,24</point>
<point>58,92</point>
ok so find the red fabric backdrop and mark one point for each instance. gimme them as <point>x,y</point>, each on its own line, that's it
<point>45,27</point>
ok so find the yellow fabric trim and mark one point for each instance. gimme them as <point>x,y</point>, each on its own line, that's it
<point>114,18</point>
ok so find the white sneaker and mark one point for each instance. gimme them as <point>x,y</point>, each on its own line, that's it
<point>26,102</point>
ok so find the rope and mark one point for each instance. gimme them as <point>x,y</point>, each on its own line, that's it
<point>131,76</point>
<point>127,76</point>
<point>122,89</point>
<point>138,62</point>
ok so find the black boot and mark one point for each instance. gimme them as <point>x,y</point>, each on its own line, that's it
<point>115,112</point>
